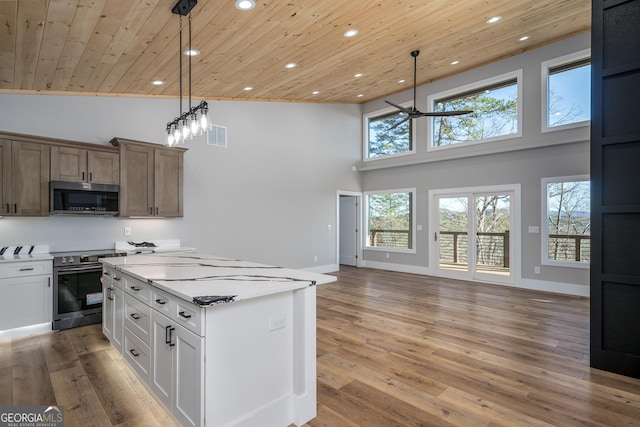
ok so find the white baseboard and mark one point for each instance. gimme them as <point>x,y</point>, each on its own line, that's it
<point>401,268</point>
<point>25,331</point>
<point>329,268</point>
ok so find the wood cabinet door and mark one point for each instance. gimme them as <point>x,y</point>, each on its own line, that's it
<point>168,183</point>
<point>68,164</point>
<point>5,177</point>
<point>30,178</point>
<point>136,190</point>
<point>103,167</point>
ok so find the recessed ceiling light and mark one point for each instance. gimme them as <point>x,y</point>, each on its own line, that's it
<point>157,82</point>
<point>358,75</point>
<point>401,81</point>
<point>290,65</point>
<point>360,95</point>
<point>192,52</point>
<point>245,4</point>
<point>494,19</point>
<point>350,33</point>
<point>455,62</point>
<point>315,92</point>
<point>523,38</point>
<point>248,88</point>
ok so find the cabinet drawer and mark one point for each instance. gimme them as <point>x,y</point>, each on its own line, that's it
<point>138,289</point>
<point>25,268</point>
<point>112,276</point>
<point>163,302</point>
<point>189,316</point>
<point>137,317</point>
<point>137,354</point>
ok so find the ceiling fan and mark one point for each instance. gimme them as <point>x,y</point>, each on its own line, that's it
<point>413,112</point>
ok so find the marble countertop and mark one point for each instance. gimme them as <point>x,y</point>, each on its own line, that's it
<point>22,258</point>
<point>193,275</point>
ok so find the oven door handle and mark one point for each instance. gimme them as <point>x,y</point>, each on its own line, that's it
<point>63,270</point>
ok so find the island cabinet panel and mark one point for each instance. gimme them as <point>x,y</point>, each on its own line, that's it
<point>26,296</point>
<point>176,369</point>
<point>24,178</point>
<point>84,165</point>
<point>151,179</point>
<point>112,307</point>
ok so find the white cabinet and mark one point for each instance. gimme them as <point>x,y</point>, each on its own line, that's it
<point>26,296</point>
<point>176,369</point>
<point>112,307</point>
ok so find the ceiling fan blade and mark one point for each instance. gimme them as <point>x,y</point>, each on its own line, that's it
<point>443,113</point>
<point>399,107</point>
<point>400,122</point>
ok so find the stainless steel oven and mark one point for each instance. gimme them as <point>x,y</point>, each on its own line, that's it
<point>77,290</point>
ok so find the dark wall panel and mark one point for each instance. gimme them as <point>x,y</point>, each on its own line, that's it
<point>621,32</point>
<point>620,317</point>
<point>620,105</point>
<point>619,164</point>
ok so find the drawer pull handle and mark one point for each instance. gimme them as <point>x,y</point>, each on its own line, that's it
<point>106,273</point>
<point>134,352</point>
<point>27,269</point>
<point>110,294</point>
<point>135,288</point>
<point>116,278</point>
<point>161,301</point>
<point>168,335</point>
<point>135,316</point>
<point>186,316</point>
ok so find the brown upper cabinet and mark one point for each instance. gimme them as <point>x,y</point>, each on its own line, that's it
<point>24,178</point>
<point>151,179</point>
<point>84,165</point>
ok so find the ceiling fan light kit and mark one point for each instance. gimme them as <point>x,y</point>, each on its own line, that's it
<point>413,112</point>
<point>194,121</point>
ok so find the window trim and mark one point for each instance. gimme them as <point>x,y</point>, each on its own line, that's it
<point>478,85</point>
<point>365,235</point>
<point>544,71</point>
<point>365,133</point>
<point>544,237</point>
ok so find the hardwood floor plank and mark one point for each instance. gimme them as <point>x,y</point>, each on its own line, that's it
<point>31,381</point>
<point>81,404</point>
<point>6,386</point>
<point>58,351</point>
<point>87,339</point>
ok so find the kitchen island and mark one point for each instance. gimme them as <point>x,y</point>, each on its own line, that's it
<point>220,342</point>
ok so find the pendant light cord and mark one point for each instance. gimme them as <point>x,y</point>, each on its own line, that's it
<point>190,55</point>
<point>180,55</point>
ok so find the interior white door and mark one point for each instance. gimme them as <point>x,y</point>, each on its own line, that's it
<point>348,230</point>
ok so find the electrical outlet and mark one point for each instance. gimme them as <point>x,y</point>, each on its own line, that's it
<point>536,269</point>
<point>387,255</point>
<point>277,322</point>
<point>127,231</point>
<point>315,258</point>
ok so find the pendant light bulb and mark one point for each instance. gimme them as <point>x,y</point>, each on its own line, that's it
<point>195,126</point>
<point>185,129</point>
<point>169,139</point>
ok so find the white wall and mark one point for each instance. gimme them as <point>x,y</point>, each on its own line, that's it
<point>269,197</point>
<point>523,161</point>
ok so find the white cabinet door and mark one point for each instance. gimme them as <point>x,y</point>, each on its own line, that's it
<point>162,358</point>
<point>118,310</point>
<point>107,310</point>
<point>176,369</point>
<point>25,301</point>
<point>188,377</point>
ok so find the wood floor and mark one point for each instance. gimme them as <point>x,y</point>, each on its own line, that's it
<point>394,349</point>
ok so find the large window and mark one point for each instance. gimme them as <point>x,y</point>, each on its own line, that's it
<point>390,220</point>
<point>567,221</point>
<point>386,136</point>
<point>496,112</point>
<point>566,91</point>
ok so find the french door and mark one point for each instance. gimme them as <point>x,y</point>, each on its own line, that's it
<point>472,235</point>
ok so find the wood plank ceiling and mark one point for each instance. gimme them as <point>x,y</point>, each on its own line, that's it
<point>118,47</point>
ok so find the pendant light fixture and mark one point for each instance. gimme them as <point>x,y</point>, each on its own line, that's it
<point>195,120</point>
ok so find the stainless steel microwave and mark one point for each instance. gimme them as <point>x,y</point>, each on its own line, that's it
<point>83,198</point>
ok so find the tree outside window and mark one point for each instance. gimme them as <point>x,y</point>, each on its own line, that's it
<point>383,139</point>
<point>568,220</point>
<point>569,93</point>
<point>389,220</point>
<point>495,114</point>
